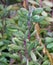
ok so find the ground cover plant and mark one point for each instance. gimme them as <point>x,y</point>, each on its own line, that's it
<point>26,33</point>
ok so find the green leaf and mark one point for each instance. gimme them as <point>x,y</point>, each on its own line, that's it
<point>33,33</point>
<point>1,43</point>
<point>26,34</point>
<point>46,63</point>
<point>0,35</point>
<point>48,9</point>
<point>1,7</point>
<point>0,25</point>
<point>39,48</point>
<point>9,8</point>
<point>49,19</point>
<point>44,14</point>
<point>27,62</point>
<point>31,46</point>
<point>24,60</point>
<point>2,63</point>
<point>38,18</point>
<point>36,63</point>
<point>22,15</point>
<point>50,45</point>
<point>48,39</point>
<point>4,60</point>
<point>14,55</point>
<point>15,47</point>
<point>33,56</point>
<point>37,11</point>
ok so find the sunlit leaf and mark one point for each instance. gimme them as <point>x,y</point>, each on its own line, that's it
<point>33,56</point>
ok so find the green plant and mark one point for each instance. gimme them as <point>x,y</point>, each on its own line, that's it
<point>17,36</point>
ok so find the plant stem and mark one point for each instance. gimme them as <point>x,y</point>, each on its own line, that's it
<point>29,26</point>
<point>26,52</point>
<point>40,3</point>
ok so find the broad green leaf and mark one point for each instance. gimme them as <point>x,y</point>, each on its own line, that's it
<point>48,9</point>
<point>48,40</point>
<point>38,18</point>
<point>50,34</point>
<point>1,43</point>
<point>37,11</point>
<point>50,45</point>
<point>3,61</point>
<point>9,7</point>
